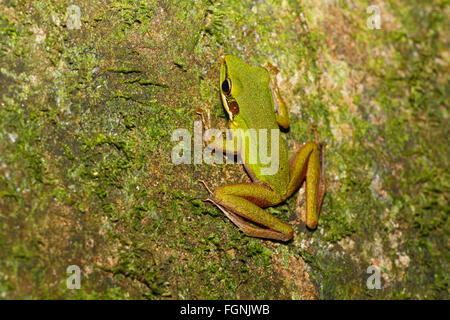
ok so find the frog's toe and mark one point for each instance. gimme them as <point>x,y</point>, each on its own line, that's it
<point>206,186</point>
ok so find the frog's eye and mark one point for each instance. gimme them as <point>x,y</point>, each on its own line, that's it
<point>226,86</point>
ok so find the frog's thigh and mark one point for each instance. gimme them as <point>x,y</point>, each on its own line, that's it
<point>306,164</point>
<point>244,201</point>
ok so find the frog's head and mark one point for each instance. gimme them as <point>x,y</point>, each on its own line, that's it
<point>242,86</point>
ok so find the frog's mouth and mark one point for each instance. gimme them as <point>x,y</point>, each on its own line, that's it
<point>226,106</point>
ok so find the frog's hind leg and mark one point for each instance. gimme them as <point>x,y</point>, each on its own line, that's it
<point>322,183</point>
<point>308,164</point>
<point>242,204</point>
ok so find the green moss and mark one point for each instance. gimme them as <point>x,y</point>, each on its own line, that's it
<point>86,178</point>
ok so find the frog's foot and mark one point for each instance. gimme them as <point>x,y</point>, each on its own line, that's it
<point>316,137</point>
<point>205,115</point>
<point>271,68</point>
<point>211,194</point>
<point>213,201</point>
<point>316,134</point>
<point>206,187</point>
<point>221,55</point>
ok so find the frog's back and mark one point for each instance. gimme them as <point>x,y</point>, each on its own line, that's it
<point>256,111</point>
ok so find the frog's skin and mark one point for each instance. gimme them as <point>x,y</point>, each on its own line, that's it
<point>252,100</point>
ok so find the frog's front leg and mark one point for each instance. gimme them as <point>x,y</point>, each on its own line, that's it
<point>308,164</point>
<point>227,145</point>
<point>281,109</point>
<point>242,204</point>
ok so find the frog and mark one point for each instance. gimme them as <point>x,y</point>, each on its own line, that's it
<point>251,98</point>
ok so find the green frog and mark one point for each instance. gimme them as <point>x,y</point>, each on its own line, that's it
<point>252,100</point>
